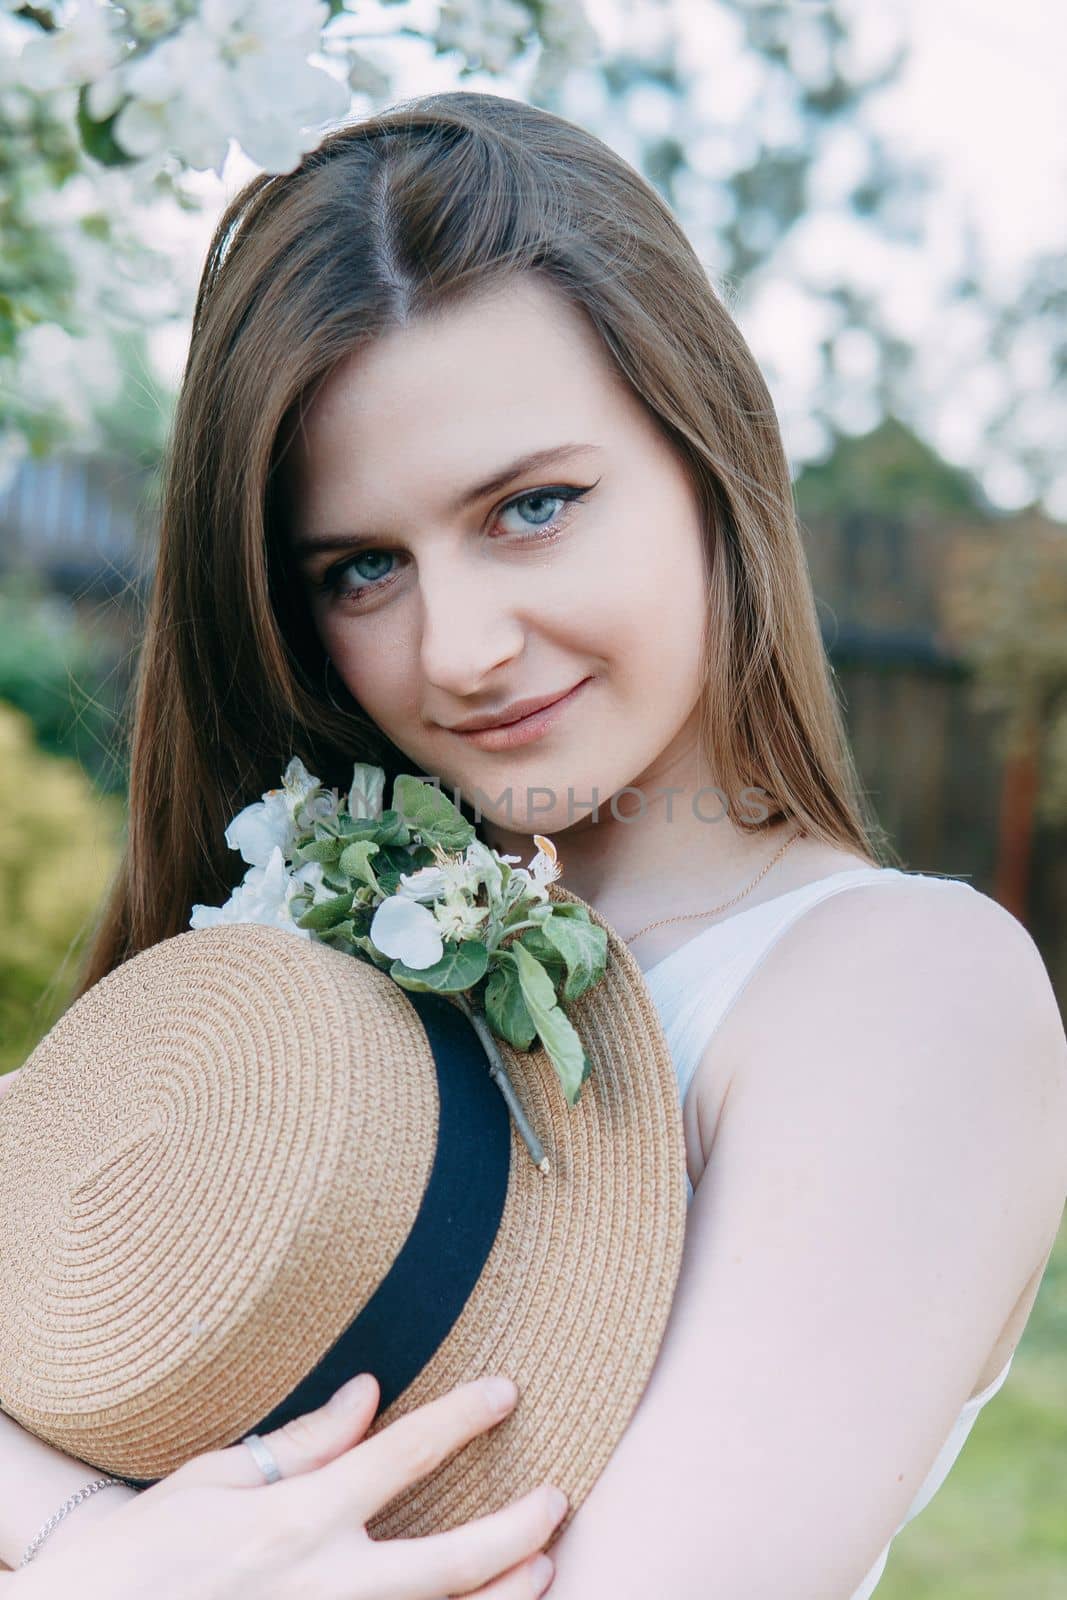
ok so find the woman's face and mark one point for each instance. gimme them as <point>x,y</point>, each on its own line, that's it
<point>440,602</point>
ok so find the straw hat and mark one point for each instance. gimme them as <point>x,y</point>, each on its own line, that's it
<point>243,1167</point>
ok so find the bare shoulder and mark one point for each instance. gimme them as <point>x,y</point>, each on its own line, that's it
<point>932,954</point>
<point>933,991</point>
<point>930,960</point>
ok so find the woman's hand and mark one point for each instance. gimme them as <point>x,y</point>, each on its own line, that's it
<point>214,1530</point>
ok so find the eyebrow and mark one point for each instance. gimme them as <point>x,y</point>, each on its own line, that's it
<point>309,543</point>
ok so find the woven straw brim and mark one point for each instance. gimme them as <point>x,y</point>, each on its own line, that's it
<point>154,1308</point>
<point>574,1300</point>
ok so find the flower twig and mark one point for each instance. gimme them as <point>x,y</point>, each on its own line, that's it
<point>499,1073</point>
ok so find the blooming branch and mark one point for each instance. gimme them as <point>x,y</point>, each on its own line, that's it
<point>414,891</point>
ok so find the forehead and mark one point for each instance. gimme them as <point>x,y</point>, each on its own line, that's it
<point>430,405</point>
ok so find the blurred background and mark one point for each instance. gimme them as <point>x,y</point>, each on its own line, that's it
<point>877,190</point>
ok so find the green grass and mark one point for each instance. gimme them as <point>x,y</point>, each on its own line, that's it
<point>997,1528</point>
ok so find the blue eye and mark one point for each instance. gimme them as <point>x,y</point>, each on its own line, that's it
<point>372,564</point>
<point>545,496</point>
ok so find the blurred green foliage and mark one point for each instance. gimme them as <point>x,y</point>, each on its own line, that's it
<point>59,845</point>
<point>889,471</point>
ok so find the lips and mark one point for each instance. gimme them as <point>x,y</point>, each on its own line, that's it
<point>523,729</point>
<point>510,714</point>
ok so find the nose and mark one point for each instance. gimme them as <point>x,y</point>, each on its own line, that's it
<point>469,630</point>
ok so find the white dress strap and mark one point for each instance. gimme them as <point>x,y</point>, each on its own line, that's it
<point>944,1461</point>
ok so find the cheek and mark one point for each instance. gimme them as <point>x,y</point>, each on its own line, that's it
<point>375,664</point>
<point>648,613</point>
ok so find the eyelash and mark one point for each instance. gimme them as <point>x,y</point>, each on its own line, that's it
<point>330,582</point>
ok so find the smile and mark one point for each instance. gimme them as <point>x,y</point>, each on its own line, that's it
<point>525,729</point>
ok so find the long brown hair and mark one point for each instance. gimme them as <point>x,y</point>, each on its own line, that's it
<point>392,218</point>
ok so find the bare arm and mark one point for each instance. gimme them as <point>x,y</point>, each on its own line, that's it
<point>36,1481</point>
<point>885,1179</point>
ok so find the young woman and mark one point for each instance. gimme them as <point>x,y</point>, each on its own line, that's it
<point>464,429</point>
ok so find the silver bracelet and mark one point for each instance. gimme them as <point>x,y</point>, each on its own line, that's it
<point>53,1522</point>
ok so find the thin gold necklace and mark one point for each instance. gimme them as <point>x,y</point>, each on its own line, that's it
<point>689,916</point>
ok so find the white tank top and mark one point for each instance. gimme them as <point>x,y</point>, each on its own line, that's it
<point>694,987</point>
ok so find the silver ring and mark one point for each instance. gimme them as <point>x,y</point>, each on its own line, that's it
<point>264,1457</point>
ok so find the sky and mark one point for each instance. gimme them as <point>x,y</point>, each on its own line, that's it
<point>979,105</point>
<point>984,96</point>
<point>982,99</point>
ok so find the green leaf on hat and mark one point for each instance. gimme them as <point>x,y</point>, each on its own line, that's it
<point>327,914</point>
<point>557,1032</point>
<point>430,813</point>
<point>461,966</point>
<point>389,828</point>
<point>392,829</point>
<point>533,940</point>
<point>394,859</point>
<point>333,878</point>
<point>505,1009</point>
<point>583,946</point>
<point>325,851</point>
<point>354,861</point>
<point>357,828</point>
<point>363,943</point>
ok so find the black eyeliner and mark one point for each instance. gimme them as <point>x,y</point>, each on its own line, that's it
<point>560,491</point>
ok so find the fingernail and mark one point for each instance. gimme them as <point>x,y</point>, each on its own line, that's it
<point>350,1394</point>
<point>542,1571</point>
<point>557,1502</point>
<point>502,1393</point>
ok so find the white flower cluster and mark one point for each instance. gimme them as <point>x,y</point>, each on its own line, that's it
<point>161,93</point>
<point>81,260</point>
<point>430,905</point>
<point>264,834</point>
<point>186,76</point>
<point>493,33</point>
<point>183,77</point>
<point>414,932</point>
<point>486,31</point>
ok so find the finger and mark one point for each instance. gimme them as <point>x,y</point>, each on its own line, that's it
<point>308,1441</point>
<point>360,1482</point>
<point>476,1552</point>
<point>527,1581</point>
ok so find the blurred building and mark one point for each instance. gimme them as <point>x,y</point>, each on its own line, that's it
<point>78,523</point>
